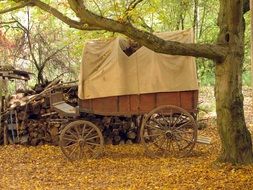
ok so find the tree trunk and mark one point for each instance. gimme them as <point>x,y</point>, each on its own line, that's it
<point>40,76</point>
<point>235,137</point>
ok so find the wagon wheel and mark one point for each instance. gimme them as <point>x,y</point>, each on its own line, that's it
<point>168,130</point>
<point>81,139</point>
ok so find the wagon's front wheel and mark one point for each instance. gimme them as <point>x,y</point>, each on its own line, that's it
<point>81,139</point>
<point>168,130</point>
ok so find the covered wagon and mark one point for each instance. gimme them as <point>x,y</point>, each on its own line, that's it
<point>159,92</point>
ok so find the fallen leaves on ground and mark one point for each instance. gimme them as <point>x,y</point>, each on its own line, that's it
<point>121,167</point>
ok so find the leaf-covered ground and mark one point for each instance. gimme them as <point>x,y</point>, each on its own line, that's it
<point>121,167</point>
<point>126,166</point>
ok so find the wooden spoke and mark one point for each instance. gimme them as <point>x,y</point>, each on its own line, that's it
<point>71,133</point>
<point>164,118</point>
<point>73,150</point>
<point>91,150</point>
<point>69,139</point>
<point>95,144</point>
<point>167,145</point>
<point>171,117</point>
<point>88,133</point>
<point>154,127</point>
<point>81,151</point>
<point>183,125</point>
<point>94,137</point>
<point>156,144</point>
<point>70,146</point>
<point>77,130</point>
<point>178,145</point>
<point>152,135</point>
<point>170,145</point>
<point>162,143</point>
<point>182,132</point>
<point>177,119</point>
<point>157,122</point>
<point>173,148</point>
<point>83,130</point>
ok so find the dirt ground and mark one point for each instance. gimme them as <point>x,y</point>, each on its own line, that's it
<point>125,167</point>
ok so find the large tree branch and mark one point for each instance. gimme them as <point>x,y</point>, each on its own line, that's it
<point>19,6</point>
<point>53,11</point>
<point>62,17</point>
<point>8,22</point>
<point>215,52</point>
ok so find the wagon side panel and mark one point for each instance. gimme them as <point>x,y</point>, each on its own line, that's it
<point>147,102</point>
<point>139,104</point>
<point>189,100</point>
<point>168,98</point>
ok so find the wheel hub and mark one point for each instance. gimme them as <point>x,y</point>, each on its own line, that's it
<point>81,142</point>
<point>169,134</point>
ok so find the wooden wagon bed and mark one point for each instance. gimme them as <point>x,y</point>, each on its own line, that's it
<point>139,104</point>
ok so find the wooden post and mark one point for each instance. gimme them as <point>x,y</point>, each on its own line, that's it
<point>2,97</point>
<point>3,93</point>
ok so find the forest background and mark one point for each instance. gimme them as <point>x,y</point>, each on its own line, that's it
<point>37,42</point>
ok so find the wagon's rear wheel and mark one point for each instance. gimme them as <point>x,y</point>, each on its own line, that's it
<point>168,130</point>
<point>81,139</point>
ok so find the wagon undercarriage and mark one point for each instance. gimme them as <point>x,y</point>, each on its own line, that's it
<point>167,130</point>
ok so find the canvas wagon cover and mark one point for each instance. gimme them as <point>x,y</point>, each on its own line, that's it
<point>107,71</point>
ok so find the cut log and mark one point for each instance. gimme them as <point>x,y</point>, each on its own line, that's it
<point>22,115</point>
<point>131,135</point>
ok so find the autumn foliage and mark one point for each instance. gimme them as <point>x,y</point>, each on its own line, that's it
<point>121,167</point>
<point>4,42</point>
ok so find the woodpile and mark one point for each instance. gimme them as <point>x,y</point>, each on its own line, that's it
<point>119,130</point>
<point>31,120</point>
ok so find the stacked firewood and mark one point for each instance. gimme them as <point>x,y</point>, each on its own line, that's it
<point>32,120</point>
<point>33,124</point>
<point>119,130</point>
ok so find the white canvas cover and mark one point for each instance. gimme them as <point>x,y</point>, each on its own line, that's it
<point>107,71</point>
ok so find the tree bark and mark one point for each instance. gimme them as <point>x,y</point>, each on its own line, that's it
<point>235,137</point>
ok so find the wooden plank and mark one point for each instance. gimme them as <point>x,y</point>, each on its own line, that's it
<point>105,105</point>
<point>56,97</point>
<point>85,104</point>
<point>204,140</point>
<point>168,98</point>
<point>134,103</point>
<point>186,100</point>
<point>195,99</point>
<point>124,104</point>
<point>147,102</point>
<point>65,109</point>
